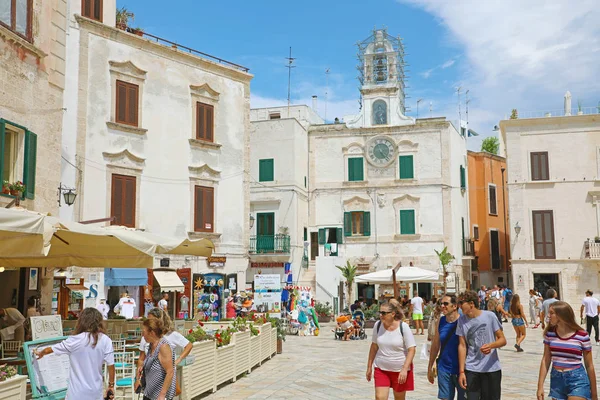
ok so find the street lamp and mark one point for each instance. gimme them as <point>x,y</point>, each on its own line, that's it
<point>67,193</point>
<point>251,221</point>
<point>504,215</point>
<point>517,228</point>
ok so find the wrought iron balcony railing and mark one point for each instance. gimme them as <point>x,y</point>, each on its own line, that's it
<point>270,244</point>
<point>468,247</point>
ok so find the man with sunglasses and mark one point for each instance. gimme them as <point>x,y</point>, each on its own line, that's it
<point>480,334</point>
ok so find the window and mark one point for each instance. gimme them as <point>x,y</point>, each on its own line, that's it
<point>127,103</point>
<point>92,9</point>
<point>355,169</point>
<point>407,222</point>
<point>492,199</point>
<point>123,198</point>
<point>406,167</point>
<point>463,178</point>
<point>16,15</point>
<point>205,117</point>
<point>539,166</point>
<point>543,234</point>
<point>18,156</point>
<point>266,170</point>
<point>314,245</point>
<point>305,234</point>
<point>475,232</point>
<point>204,200</point>
<point>357,223</point>
<point>274,115</point>
<point>495,249</point>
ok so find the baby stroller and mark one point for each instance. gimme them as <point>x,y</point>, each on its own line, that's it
<point>338,334</point>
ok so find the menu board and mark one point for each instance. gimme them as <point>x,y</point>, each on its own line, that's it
<point>46,327</point>
<point>267,282</point>
<point>50,374</point>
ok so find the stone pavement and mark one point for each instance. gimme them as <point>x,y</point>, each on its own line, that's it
<point>323,368</point>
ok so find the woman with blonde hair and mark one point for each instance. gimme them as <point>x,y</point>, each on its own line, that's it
<point>518,320</point>
<point>566,345</point>
<point>159,363</point>
<point>393,367</point>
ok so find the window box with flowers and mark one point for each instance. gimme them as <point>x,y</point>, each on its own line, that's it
<point>16,189</point>
<point>199,377</point>
<point>12,386</point>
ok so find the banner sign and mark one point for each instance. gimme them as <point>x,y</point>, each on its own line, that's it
<point>267,282</point>
<point>46,327</point>
<point>266,265</point>
<point>216,262</point>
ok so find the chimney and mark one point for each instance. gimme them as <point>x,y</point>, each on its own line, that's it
<point>314,103</point>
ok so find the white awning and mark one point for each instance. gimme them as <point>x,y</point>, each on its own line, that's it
<point>168,280</point>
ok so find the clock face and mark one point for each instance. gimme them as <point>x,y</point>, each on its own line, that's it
<point>381,152</point>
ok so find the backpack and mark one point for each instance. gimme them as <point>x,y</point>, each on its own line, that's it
<point>509,295</point>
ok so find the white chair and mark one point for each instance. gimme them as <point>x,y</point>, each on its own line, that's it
<point>125,370</point>
<point>137,334</point>
<point>118,345</point>
<point>11,348</point>
<point>115,336</point>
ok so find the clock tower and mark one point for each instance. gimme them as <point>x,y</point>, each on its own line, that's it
<point>381,67</point>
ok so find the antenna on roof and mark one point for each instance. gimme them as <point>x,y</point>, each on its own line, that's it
<point>467,101</point>
<point>458,89</point>
<point>326,92</point>
<point>289,67</point>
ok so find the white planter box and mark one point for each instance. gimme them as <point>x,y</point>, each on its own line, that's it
<point>224,366</point>
<point>273,341</point>
<point>242,352</point>
<point>13,388</point>
<point>200,376</point>
<point>265,341</point>
<point>255,342</point>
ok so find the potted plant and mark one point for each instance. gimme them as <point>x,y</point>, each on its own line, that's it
<point>5,188</point>
<point>137,31</point>
<point>324,312</point>
<point>579,108</point>
<point>278,323</point>
<point>123,16</point>
<point>597,239</point>
<point>17,188</point>
<point>371,315</point>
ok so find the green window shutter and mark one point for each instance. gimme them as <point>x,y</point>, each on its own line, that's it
<point>265,170</point>
<point>407,222</point>
<point>339,236</point>
<point>406,167</point>
<point>355,169</point>
<point>347,224</point>
<point>305,234</point>
<point>463,180</point>
<point>366,223</point>
<point>30,164</point>
<point>321,236</point>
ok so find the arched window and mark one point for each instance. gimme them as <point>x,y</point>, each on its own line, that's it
<point>379,113</point>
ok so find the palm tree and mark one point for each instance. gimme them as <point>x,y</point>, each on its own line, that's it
<point>445,259</point>
<point>349,273</point>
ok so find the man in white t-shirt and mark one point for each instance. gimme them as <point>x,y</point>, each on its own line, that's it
<point>416,307</point>
<point>163,304</point>
<point>103,308</point>
<point>496,292</point>
<point>591,306</point>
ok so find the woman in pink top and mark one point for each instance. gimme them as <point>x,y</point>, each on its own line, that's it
<point>566,344</point>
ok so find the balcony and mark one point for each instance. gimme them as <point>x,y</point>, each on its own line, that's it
<point>592,249</point>
<point>468,247</point>
<point>270,244</point>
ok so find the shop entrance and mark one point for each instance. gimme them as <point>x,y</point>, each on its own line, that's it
<point>543,282</point>
<point>366,292</point>
<point>423,289</point>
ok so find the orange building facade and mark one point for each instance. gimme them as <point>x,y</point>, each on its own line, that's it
<point>488,217</point>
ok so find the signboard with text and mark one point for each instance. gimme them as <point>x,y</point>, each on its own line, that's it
<point>46,327</point>
<point>267,282</point>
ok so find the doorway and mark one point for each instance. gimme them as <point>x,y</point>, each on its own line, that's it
<point>265,232</point>
<point>424,290</point>
<point>366,293</point>
<point>543,282</point>
<point>314,245</point>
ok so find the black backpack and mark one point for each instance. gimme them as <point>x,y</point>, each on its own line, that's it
<point>378,323</point>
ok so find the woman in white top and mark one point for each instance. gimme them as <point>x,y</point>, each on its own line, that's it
<point>391,353</point>
<point>88,349</point>
<point>175,338</point>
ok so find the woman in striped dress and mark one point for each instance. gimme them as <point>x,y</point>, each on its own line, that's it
<point>566,345</point>
<point>159,365</point>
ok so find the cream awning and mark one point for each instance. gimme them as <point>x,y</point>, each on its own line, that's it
<point>21,232</point>
<point>168,280</point>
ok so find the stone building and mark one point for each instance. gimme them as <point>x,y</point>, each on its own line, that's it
<point>553,171</point>
<point>156,135</point>
<point>32,81</point>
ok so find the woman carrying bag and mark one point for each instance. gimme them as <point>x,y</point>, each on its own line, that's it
<point>159,365</point>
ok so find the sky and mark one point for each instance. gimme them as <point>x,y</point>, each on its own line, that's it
<point>507,54</point>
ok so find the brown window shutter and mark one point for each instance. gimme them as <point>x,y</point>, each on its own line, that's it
<point>98,10</point>
<point>129,202</point>
<point>208,212</point>
<point>204,121</point>
<point>132,104</point>
<point>210,117</point>
<point>203,209</point>
<point>86,8</point>
<point>543,234</point>
<point>123,199</point>
<point>200,121</point>
<point>121,115</point>
<point>197,208</point>
<point>116,202</point>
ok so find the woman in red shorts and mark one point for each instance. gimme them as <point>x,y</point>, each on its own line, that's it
<point>391,353</point>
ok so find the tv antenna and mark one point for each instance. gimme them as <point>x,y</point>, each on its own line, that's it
<point>289,67</point>
<point>326,92</point>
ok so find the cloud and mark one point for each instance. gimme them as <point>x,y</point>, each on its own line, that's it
<point>427,73</point>
<point>447,64</point>
<point>522,54</point>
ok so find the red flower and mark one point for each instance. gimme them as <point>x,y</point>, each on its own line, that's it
<point>191,330</point>
<point>201,323</point>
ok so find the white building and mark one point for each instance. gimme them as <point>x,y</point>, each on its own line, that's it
<point>553,173</point>
<point>382,188</point>
<point>157,137</point>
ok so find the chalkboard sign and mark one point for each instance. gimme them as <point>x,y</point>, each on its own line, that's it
<point>46,327</point>
<point>49,375</point>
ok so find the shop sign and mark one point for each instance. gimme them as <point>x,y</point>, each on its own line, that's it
<point>46,327</point>
<point>74,281</point>
<point>451,282</point>
<point>266,265</point>
<point>216,262</point>
<point>267,282</point>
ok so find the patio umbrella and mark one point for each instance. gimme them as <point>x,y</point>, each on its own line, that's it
<point>404,274</point>
<point>21,232</point>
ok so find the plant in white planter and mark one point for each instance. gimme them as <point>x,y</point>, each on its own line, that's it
<point>579,108</point>
<point>7,372</point>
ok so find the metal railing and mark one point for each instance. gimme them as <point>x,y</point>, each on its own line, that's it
<point>559,112</point>
<point>270,244</point>
<point>178,46</point>
<point>592,249</point>
<point>468,247</point>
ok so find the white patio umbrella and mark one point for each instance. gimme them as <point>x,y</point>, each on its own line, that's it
<point>21,232</point>
<point>404,274</point>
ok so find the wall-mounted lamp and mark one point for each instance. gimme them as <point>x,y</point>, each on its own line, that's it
<point>67,193</point>
<point>251,221</point>
<point>517,228</point>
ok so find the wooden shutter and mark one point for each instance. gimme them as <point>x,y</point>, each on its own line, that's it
<point>407,222</point>
<point>204,122</point>
<point>204,209</point>
<point>492,199</point>
<point>265,170</point>
<point>29,170</point>
<point>355,169</point>
<point>123,200</point>
<point>347,224</point>
<point>321,236</point>
<point>366,223</point>
<point>127,103</point>
<point>339,237</point>
<point>543,234</point>
<point>463,179</point>
<point>406,167</point>
<point>539,166</point>
<point>92,9</point>
<point>475,233</point>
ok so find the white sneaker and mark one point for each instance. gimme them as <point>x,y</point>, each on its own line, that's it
<point>597,343</point>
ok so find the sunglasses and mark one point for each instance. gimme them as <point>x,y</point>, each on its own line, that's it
<point>384,312</point>
<point>445,303</point>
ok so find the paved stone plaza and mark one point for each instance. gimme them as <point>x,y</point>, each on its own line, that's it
<point>324,368</point>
